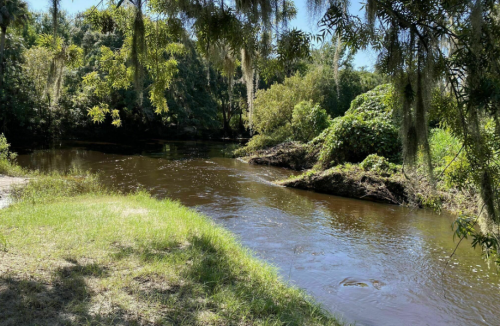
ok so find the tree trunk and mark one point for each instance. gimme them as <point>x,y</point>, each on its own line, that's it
<point>2,48</point>
<point>225,122</point>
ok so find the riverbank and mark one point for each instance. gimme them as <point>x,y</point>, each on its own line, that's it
<point>76,253</point>
<point>361,181</point>
<point>352,182</point>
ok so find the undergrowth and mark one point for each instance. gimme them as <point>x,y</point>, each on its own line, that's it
<point>7,160</point>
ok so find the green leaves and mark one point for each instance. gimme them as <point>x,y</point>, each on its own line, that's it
<point>98,113</point>
<point>118,69</point>
<point>308,121</point>
<point>366,128</point>
<point>47,41</point>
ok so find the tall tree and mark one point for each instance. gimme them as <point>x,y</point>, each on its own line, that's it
<point>422,43</point>
<point>12,13</point>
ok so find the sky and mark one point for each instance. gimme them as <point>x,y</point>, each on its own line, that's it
<point>302,21</point>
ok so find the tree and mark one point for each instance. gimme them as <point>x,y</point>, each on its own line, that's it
<point>12,13</point>
<point>426,43</point>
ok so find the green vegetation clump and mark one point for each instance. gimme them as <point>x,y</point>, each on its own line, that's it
<point>299,108</point>
<point>308,121</point>
<point>450,164</point>
<point>274,107</point>
<point>378,164</point>
<point>262,141</point>
<point>7,159</point>
<point>366,128</point>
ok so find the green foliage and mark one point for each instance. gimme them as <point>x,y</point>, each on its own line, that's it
<point>378,164</point>
<point>194,108</point>
<point>464,227</point>
<point>308,121</point>
<point>366,128</point>
<point>266,140</point>
<point>157,58</point>
<point>443,145</point>
<point>378,103</point>
<point>450,163</point>
<point>7,159</point>
<point>293,46</point>
<point>5,153</point>
<point>12,13</point>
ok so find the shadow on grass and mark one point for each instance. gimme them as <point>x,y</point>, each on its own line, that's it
<point>63,301</point>
<point>210,288</point>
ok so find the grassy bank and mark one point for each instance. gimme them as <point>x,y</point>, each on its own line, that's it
<point>75,254</point>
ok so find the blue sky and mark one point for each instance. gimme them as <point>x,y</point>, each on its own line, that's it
<point>302,21</point>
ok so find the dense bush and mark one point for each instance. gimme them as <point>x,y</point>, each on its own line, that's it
<point>274,106</point>
<point>366,128</point>
<point>263,141</point>
<point>308,121</point>
<point>451,166</point>
<point>378,164</point>
<point>280,115</point>
<point>7,164</point>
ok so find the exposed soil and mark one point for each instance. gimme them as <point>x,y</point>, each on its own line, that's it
<point>354,183</point>
<point>292,155</point>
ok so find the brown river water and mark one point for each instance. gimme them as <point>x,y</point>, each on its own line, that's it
<point>368,263</point>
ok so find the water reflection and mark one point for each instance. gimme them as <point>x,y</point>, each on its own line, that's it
<point>377,264</point>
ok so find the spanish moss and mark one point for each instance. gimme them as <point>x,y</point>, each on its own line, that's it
<point>248,73</point>
<point>137,51</point>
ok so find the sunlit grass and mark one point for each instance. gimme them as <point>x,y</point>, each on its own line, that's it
<point>98,258</point>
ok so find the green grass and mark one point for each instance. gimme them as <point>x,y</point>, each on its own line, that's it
<point>99,258</point>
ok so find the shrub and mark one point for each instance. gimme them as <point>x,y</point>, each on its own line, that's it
<point>263,141</point>
<point>274,107</point>
<point>5,153</point>
<point>7,159</point>
<point>308,121</point>
<point>366,128</point>
<point>378,164</point>
<point>352,139</point>
<point>449,163</point>
<point>377,103</point>
<point>443,144</point>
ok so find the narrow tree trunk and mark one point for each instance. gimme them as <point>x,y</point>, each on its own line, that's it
<point>225,122</point>
<point>2,48</point>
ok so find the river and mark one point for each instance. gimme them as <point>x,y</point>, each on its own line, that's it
<point>369,263</point>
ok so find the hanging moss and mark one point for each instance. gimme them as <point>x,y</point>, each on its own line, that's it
<point>248,73</point>
<point>137,51</point>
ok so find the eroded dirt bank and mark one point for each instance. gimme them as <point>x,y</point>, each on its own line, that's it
<point>354,183</point>
<point>290,155</point>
